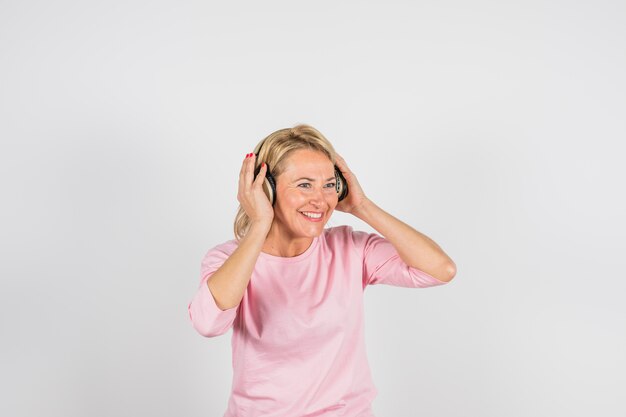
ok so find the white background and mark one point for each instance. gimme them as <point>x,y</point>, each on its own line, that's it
<point>495,128</point>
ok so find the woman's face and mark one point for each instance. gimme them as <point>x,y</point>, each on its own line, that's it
<point>307,185</point>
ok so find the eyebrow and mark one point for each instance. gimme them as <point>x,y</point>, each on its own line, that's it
<point>311,179</point>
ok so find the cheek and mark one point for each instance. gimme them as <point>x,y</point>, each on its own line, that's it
<point>291,201</point>
<point>295,200</point>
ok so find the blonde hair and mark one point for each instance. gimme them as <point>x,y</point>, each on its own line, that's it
<point>274,151</point>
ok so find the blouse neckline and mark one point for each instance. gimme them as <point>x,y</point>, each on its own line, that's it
<point>291,259</point>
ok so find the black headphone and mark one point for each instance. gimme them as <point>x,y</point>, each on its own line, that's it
<point>269,184</point>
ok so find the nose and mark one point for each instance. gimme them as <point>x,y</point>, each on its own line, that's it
<point>317,198</point>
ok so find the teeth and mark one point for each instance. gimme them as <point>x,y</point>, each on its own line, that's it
<point>312,215</point>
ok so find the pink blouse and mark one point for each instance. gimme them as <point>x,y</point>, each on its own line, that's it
<point>298,346</point>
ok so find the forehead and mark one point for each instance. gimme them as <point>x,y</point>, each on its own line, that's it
<point>305,162</point>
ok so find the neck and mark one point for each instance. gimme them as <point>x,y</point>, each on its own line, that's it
<point>282,244</point>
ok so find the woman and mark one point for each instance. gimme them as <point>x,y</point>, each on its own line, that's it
<point>293,291</point>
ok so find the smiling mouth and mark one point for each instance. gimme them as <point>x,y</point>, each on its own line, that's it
<point>311,216</point>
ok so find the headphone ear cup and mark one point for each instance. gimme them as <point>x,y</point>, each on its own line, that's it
<point>342,184</point>
<point>269,184</point>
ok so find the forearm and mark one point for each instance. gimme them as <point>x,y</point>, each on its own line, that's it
<point>415,249</point>
<point>228,284</point>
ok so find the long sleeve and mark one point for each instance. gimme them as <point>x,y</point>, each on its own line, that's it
<point>382,264</point>
<point>206,317</point>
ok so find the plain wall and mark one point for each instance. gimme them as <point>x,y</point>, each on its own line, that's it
<point>495,128</point>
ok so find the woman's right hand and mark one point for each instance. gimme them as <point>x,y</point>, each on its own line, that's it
<point>251,195</point>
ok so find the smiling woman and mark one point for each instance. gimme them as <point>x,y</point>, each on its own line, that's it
<point>292,291</point>
<point>297,157</point>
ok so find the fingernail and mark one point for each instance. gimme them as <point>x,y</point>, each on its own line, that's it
<point>263,164</point>
<point>247,155</point>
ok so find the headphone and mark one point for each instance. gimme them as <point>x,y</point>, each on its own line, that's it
<point>269,184</point>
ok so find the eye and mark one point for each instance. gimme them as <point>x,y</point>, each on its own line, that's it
<point>304,183</point>
<point>331,184</point>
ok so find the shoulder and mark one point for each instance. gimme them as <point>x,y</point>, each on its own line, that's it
<point>345,235</point>
<point>220,252</point>
<point>338,233</point>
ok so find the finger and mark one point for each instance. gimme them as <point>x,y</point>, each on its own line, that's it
<point>258,182</point>
<point>249,172</point>
<point>341,163</point>
<point>242,174</point>
<point>244,165</point>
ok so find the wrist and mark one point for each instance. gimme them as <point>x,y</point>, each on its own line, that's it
<point>259,227</point>
<point>363,210</point>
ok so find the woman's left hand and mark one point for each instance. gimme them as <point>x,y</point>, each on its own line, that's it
<point>356,197</point>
